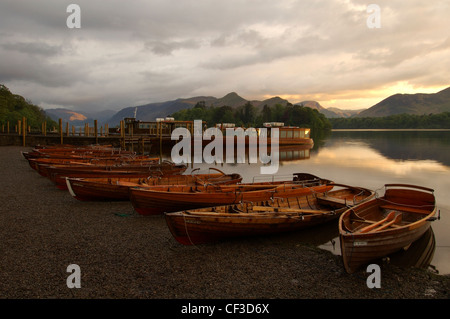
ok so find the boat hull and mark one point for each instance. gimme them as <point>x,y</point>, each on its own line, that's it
<point>154,202</point>
<point>193,230</point>
<point>290,214</point>
<point>58,174</point>
<point>361,250</point>
<point>362,244</point>
<point>117,189</point>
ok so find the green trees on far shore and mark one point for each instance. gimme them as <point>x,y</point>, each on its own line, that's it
<point>14,107</point>
<point>248,115</point>
<point>399,121</point>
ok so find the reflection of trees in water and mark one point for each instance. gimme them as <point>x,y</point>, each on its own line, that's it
<point>246,155</point>
<point>319,138</point>
<point>400,145</point>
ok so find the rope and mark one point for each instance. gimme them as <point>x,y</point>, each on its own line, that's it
<point>187,232</point>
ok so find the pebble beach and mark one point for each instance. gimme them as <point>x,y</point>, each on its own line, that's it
<point>123,255</point>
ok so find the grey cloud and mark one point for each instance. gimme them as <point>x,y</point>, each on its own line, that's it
<point>32,48</point>
<point>164,49</point>
<point>167,47</point>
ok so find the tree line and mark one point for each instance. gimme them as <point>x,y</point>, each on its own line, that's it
<point>398,121</point>
<point>248,115</point>
<point>14,107</point>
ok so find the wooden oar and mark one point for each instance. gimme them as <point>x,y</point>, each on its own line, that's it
<point>396,220</point>
<point>369,228</point>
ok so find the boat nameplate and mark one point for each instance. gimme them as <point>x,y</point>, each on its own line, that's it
<point>359,243</point>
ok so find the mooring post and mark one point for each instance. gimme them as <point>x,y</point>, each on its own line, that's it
<point>24,130</point>
<point>61,131</point>
<point>122,134</point>
<point>95,132</point>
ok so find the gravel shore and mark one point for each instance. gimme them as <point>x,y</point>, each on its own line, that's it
<point>123,255</point>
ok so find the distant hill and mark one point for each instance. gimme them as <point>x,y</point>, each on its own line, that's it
<point>78,118</point>
<point>331,112</point>
<point>149,112</point>
<point>417,104</point>
<point>152,111</point>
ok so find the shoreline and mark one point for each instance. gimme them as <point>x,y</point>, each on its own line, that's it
<point>123,255</point>
<point>390,130</point>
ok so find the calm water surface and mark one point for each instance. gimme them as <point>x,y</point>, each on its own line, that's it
<point>372,159</point>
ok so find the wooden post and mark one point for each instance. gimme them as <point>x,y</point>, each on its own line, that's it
<point>73,130</point>
<point>87,129</point>
<point>106,130</point>
<point>19,126</point>
<point>122,134</point>
<point>7,127</point>
<point>160,140</point>
<point>24,130</point>
<point>67,129</point>
<point>95,132</point>
<point>61,131</point>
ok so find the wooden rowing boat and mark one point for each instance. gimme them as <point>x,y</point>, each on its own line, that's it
<point>74,153</point>
<point>117,189</point>
<point>58,174</point>
<point>158,200</point>
<point>205,225</point>
<point>384,225</point>
<point>39,164</point>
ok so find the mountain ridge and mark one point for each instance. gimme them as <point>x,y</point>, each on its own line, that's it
<point>417,103</point>
<point>151,111</point>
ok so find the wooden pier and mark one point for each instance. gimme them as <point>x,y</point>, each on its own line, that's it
<point>123,137</point>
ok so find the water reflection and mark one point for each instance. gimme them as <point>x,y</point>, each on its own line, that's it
<point>360,154</point>
<point>401,145</point>
<point>419,254</point>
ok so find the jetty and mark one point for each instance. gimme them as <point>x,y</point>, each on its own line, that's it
<point>141,136</point>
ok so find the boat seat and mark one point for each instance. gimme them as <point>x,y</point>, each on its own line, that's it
<point>333,200</point>
<point>405,209</point>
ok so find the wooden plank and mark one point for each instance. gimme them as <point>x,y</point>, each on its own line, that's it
<point>406,209</point>
<point>287,209</point>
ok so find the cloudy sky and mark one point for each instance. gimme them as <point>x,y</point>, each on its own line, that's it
<point>129,53</point>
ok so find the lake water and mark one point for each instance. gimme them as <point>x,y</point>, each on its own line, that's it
<point>371,159</point>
